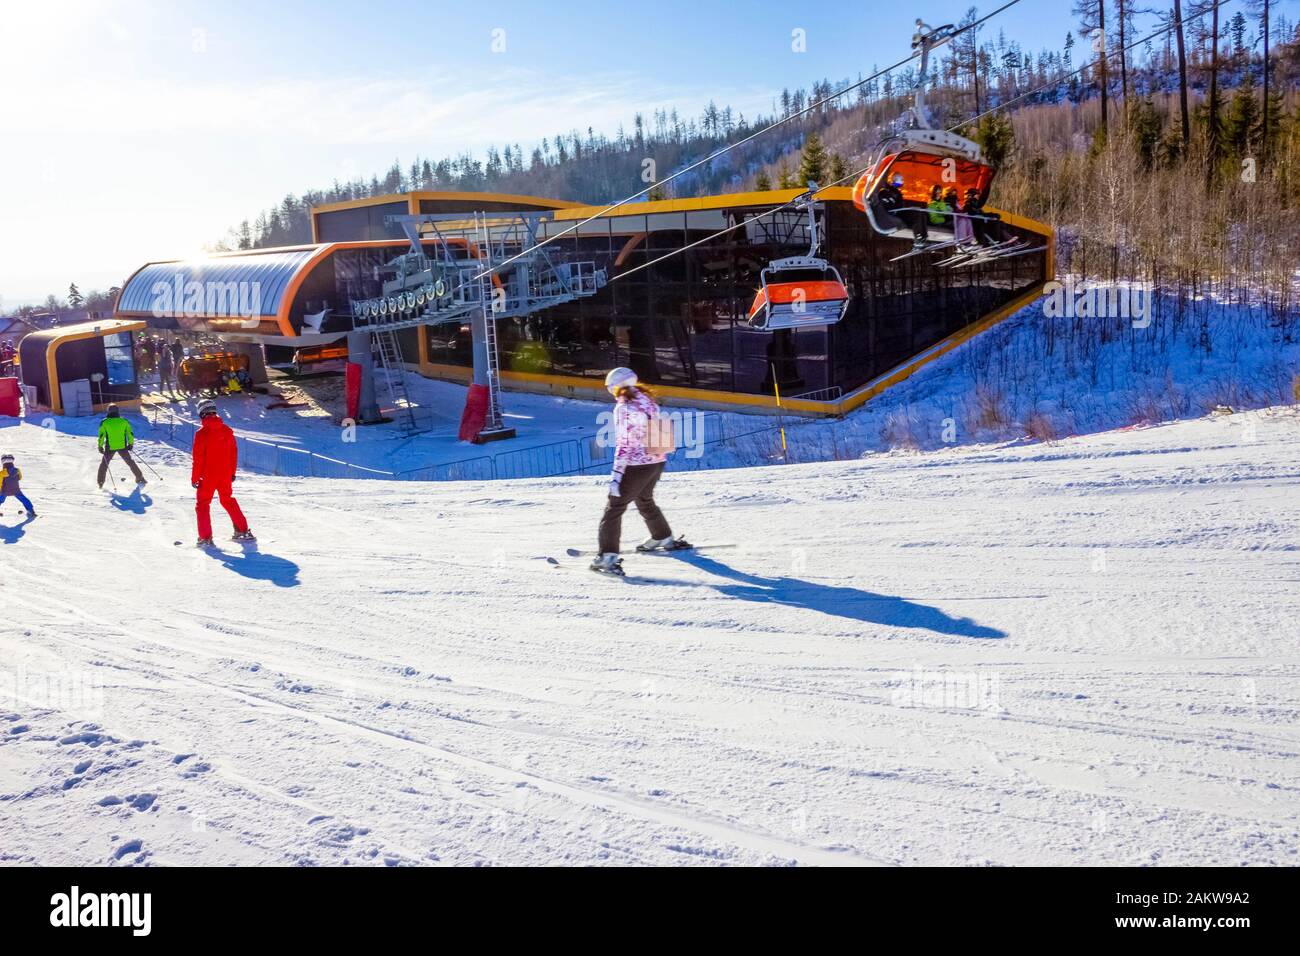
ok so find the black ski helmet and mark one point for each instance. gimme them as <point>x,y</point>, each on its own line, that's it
<point>113,412</point>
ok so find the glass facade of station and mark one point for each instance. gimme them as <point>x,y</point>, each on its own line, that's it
<point>682,322</point>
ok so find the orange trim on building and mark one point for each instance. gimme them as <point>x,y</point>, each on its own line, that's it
<point>291,291</point>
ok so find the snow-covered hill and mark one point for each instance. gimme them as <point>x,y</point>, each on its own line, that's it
<point>1078,653</point>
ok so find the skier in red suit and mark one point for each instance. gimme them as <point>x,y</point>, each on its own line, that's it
<point>213,472</point>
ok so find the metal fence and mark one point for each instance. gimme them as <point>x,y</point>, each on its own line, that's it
<point>573,456</point>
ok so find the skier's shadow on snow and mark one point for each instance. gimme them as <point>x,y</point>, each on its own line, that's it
<point>137,502</point>
<point>252,563</point>
<point>851,603</point>
<point>10,533</point>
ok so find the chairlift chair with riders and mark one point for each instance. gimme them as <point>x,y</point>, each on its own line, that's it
<point>922,157</point>
<point>800,291</point>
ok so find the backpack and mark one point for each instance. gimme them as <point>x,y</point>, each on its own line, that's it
<point>660,436</point>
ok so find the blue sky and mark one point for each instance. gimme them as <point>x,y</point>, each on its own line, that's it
<point>150,128</point>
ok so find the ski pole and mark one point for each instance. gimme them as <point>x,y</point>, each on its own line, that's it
<point>149,466</point>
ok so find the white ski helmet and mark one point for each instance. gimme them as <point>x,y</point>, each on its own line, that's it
<point>207,407</point>
<point>620,377</point>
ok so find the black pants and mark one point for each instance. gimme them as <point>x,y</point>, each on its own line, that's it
<point>126,457</point>
<point>987,231</point>
<point>917,221</point>
<point>637,487</point>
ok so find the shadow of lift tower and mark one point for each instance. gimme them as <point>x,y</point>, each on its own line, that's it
<point>479,269</point>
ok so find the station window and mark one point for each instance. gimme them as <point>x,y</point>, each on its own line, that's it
<point>119,358</point>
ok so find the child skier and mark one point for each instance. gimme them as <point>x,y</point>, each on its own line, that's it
<point>637,467</point>
<point>215,456</point>
<point>10,476</point>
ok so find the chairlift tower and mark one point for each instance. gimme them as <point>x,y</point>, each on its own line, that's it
<point>476,268</point>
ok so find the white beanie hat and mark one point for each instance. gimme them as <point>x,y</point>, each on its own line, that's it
<point>619,377</point>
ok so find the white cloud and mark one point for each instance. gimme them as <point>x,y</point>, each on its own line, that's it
<point>439,109</point>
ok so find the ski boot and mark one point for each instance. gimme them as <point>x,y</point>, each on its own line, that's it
<point>243,536</point>
<point>204,543</point>
<point>664,544</point>
<point>609,563</point>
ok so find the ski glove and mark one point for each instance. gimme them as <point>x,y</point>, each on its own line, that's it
<point>613,489</point>
<point>197,483</point>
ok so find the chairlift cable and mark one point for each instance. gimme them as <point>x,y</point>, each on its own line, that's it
<point>791,203</point>
<point>741,142</point>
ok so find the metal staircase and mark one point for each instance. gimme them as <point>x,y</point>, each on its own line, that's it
<point>388,349</point>
<point>488,302</point>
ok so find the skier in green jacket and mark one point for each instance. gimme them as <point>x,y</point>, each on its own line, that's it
<point>115,438</point>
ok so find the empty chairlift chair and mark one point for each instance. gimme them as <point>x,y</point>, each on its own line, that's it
<point>800,291</point>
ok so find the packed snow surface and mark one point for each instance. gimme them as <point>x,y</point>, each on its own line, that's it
<point>1075,653</point>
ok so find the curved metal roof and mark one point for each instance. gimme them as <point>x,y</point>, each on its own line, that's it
<point>238,285</point>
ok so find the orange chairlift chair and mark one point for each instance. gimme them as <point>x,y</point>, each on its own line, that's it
<point>923,157</point>
<point>800,291</point>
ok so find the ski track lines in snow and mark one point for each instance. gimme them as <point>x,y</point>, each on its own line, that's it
<point>399,677</point>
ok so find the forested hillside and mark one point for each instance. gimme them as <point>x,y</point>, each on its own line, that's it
<point>1070,117</point>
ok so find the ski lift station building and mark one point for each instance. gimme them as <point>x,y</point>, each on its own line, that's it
<point>680,323</point>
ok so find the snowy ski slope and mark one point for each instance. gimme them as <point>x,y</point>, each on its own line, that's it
<point>1068,654</point>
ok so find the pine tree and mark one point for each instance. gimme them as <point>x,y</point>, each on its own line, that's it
<point>839,169</point>
<point>784,180</point>
<point>1144,126</point>
<point>812,167</point>
<point>75,299</point>
<point>996,137</point>
<point>762,182</point>
<point>1237,28</point>
<point>1241,128</point>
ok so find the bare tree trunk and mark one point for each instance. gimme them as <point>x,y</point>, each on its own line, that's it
<point>1264,128</point>
<point>1182,75</point>
<point>1101,61</point>
<point>1212,104</point>
<point>1123,56</point>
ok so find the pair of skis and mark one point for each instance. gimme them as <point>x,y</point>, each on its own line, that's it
<point>244,537</point>
<point>926,247</point>
<point>618,571</point>
<point>1007,249</point>
<point>968,255</point>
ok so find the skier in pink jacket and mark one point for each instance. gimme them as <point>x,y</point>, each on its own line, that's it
<point>637,467</point>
